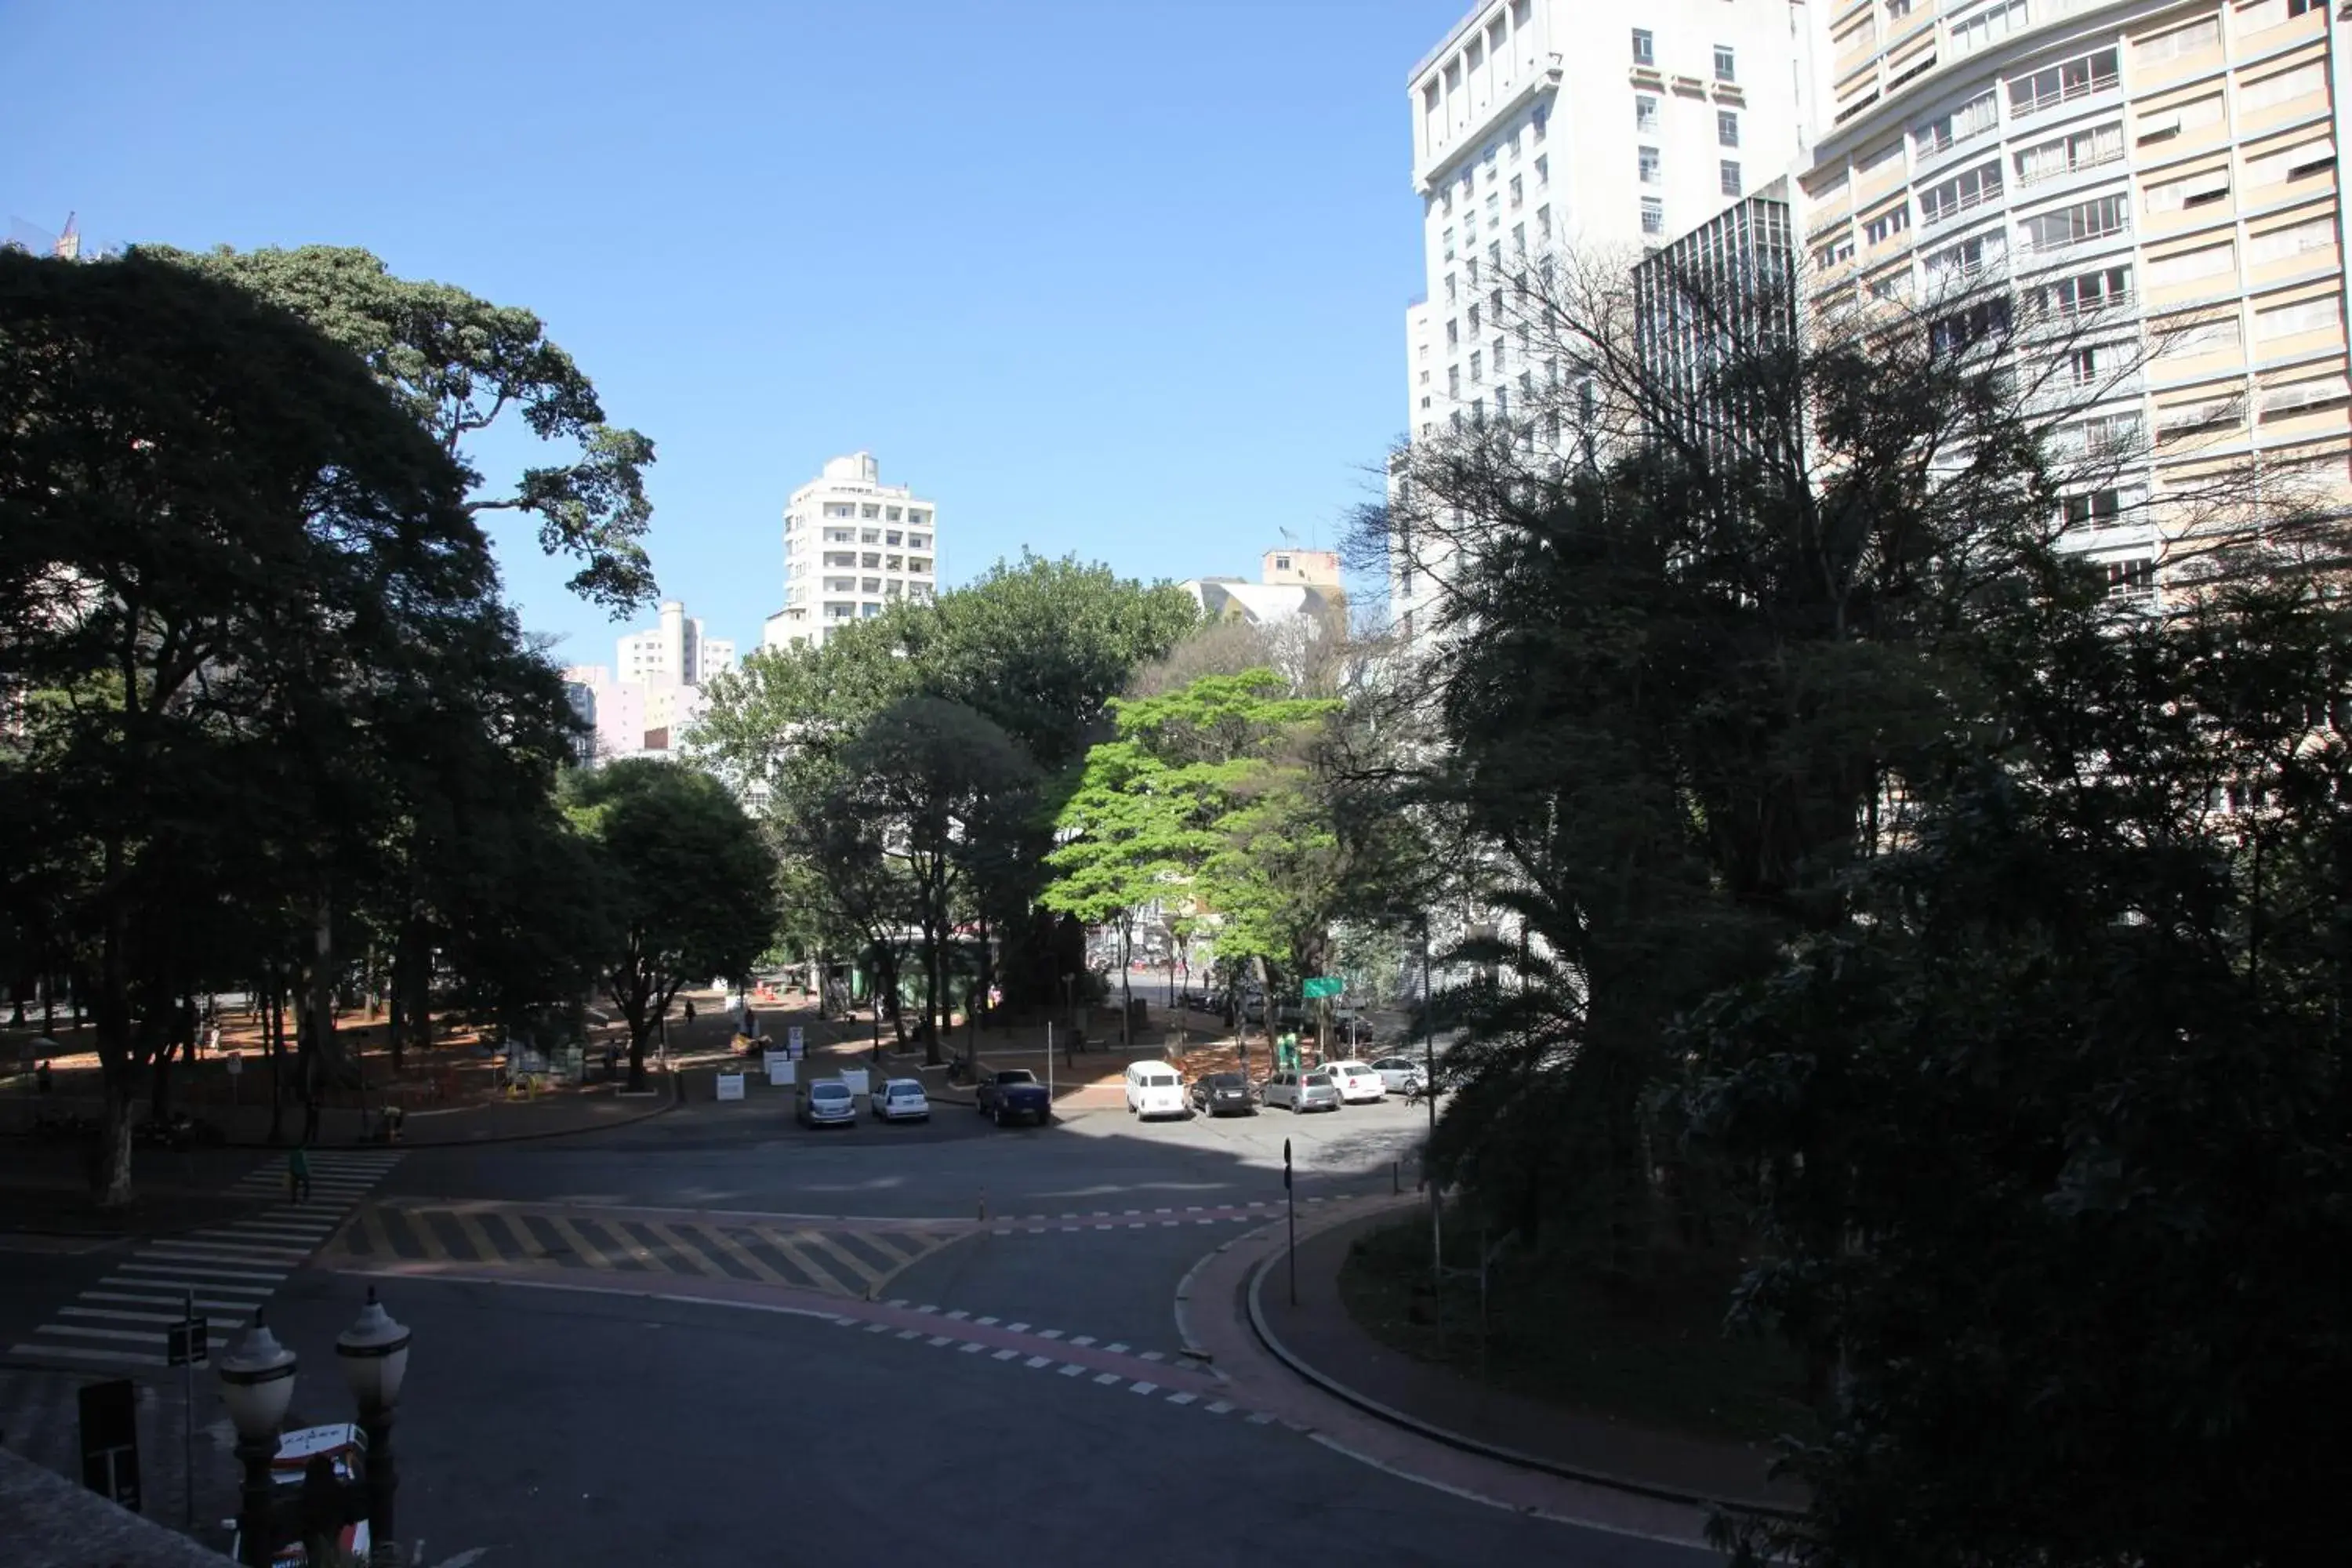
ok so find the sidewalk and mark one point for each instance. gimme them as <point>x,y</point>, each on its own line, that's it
<point>1319,1341</point>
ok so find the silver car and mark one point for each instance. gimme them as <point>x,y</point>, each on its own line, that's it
<point>1402,1075</point>
<point>826,1102</point>
<point>1311,1090</point>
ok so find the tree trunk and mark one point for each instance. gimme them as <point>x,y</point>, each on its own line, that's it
<point>330,1062</point>
<point>1126,990</point>
<point>273,1026</point>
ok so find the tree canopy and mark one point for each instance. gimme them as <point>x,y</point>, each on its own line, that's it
<point>459,366</point>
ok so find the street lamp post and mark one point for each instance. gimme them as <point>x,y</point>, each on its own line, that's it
<point>256,1383</point>
<point>375,1355</point>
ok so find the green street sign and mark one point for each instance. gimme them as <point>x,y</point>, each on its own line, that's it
<point>1323,986</point>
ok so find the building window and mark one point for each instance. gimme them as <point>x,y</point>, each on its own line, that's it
<point>2073,225</point>
<point>1647,161</point>
<point>1993,22</point>
<point>1646,49</point>
<point>1447,240</point>
<point>2194,38</point>
<point>1729,177</point>
<point>1452,381</point>
<point>1653,215</point>
<point>1727,128</point>
<point>1515,191</point>
<point>1519,238</point>
<point>2099,509</point>
<point>2094,72</point>
<point>1978,115</point>
<point>1477,367</point>
<point>2082,367</point>
<point>1543,223</point>
<point>1449,287</point>
<point>1723,64</point>
<point>1538,120</point>
<point>2082,149</point>
<point>1645,113</point>
<point>1969,188</point>
<point>2100,290</point>
<point>1543,168</point>
<point>1452,334</point>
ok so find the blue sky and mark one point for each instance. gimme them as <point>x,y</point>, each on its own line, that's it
<point>1125,279</point>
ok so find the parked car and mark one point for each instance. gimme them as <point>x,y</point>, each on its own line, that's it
<point>1297,1091</point>
<point>345,1447</point>
<point>1224,1094</point>
<point>825,1103</point>
<point>1253,1008</point>
<point>1015,1095</point>
<point>900,1100</point>
<point>1401,1075</point>
<point>1155,1089</point>
<point>1357,1083</point>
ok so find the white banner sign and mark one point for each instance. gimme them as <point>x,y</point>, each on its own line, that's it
<point>780,1068</point>
<point>855,1078</point>
<point>730,1086</point>
<point>793,1038</point>
<point>235,1064</point>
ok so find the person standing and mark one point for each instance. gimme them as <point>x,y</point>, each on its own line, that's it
<point>689,1011</point>
<point>297,1173</point>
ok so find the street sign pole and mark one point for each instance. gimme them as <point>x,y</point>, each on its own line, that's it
<point>1290,1202</point>
<point>188,1423</point>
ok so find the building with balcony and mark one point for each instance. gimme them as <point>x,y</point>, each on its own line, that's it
<point>1548,126</point>
<point>2150,187</point>
<point>853,546</point>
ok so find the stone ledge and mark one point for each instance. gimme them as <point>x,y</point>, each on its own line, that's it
<point>50,1523</point>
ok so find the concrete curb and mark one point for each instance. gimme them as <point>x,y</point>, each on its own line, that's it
<point>667,1103</point>
<point>1469,1445</point>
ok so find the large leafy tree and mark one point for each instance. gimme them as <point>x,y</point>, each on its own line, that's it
<point>688,876</point>
<point>933,788</point>
<point>460,365</point>
<point>2055,1135</point>
<point>1203,801</point>
<point>226,541</point>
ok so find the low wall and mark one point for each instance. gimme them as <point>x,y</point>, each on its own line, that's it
<point>47,1522</point>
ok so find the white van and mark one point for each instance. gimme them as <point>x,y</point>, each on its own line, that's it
<point>1155,1089</point>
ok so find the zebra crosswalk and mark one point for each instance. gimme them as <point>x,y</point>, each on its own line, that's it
<point>227,1272</point>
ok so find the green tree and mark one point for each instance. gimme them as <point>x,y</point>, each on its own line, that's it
<point>1201,800</point>
<point>459,365</point>
<point>224,534</point>
<point>2054,1135</point>
<point>932,787</point>
<point>690,881</point>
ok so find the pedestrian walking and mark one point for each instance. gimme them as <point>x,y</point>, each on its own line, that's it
<point>689,1011</point>
<point>297,1173</point>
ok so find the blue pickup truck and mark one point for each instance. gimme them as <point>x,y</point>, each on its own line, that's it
<point>1015,1095</point>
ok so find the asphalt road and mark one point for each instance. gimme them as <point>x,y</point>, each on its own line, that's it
<point>587,1415</point>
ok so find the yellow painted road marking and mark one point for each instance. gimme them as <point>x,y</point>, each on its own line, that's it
<point>379,1239</point>
<point>823,1277</point>
<point>476,1237</point>
<point>679,1244</point>
<point>532,1248</point>
<point>623,1242</point>
<point>728,1245</point>
<point>421,1228</point>
<point>579,1243</point>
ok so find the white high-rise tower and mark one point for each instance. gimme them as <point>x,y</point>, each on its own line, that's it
<point>852,546</point>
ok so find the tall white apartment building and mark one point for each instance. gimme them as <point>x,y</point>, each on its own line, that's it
<point>1543,124</point>
<point>852,545</point>
<point>2161,175</point>
<point>1559,125</point>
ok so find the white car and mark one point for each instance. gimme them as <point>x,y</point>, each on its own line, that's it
<point>1402,1075</point>
<point>1155,1089</point>
<point>1357,1083</point>
<point>900,1100</point>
